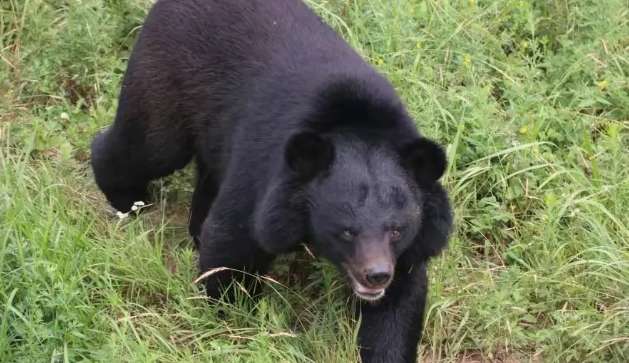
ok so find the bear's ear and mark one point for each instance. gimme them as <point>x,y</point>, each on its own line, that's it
<point>425,159</point>
<point>308,153</point>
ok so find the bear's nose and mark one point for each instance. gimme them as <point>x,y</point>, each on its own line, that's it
<point>378,277</point>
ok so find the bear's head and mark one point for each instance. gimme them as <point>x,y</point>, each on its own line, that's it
<point>363,201</point>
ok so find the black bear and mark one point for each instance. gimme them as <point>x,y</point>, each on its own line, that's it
<point>296,138</point>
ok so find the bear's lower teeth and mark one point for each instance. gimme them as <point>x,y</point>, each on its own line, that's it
<point>370,297</point>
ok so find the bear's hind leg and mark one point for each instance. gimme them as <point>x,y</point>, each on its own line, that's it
<point>125,162</point>
<point>116,171</point>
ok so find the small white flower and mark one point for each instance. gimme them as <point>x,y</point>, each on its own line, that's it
<point>139,203</point>
<point>134,208</point>
<point>121,215</point>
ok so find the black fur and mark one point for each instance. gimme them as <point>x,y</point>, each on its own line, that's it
<point>295,138</point>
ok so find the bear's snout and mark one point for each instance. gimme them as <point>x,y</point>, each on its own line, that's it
<point>370,285</point>
<point>378,276</point>
<point>371,268</point>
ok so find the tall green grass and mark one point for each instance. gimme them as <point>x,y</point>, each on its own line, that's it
<point>531,98</point>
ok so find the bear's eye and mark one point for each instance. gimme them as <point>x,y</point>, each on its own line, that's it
<point>395,234</point>
<point>348,235</point>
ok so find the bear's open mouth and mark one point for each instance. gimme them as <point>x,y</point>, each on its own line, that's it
<point>363,292</point>
<point>370,295</point>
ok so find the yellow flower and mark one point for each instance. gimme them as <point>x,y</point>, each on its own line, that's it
<point>467,60</point>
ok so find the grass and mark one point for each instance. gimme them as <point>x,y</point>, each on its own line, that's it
<point>532,99</point>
